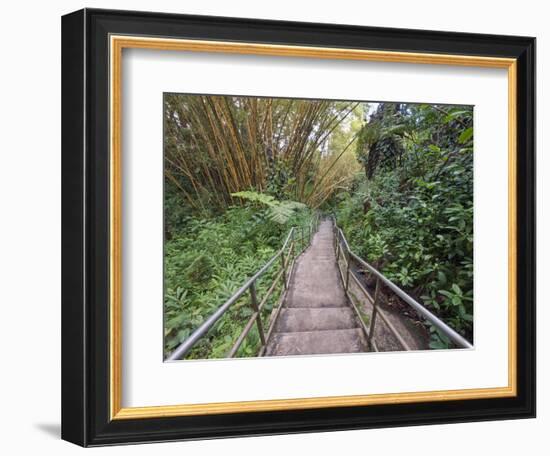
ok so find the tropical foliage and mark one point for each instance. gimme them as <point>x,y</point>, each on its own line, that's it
<point>411,213</point>
<point>240,171</point>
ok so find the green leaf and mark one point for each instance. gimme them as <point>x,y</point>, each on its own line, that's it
<point>456,114</point>
<point>446,293</point>
<point>466,135</point>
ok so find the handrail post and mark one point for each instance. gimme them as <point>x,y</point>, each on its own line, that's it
<point>374,311</point>
<point>254,302</point>
<point>335,235</point>
<point>283,266</point>
<point>347,272</point>
<point>291,257</point>
<point>337,247</point>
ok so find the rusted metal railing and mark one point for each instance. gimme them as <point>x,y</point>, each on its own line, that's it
<point>345,255</point>
<point>297,240</point>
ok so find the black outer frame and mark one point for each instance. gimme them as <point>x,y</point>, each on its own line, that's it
<point>85,227</point>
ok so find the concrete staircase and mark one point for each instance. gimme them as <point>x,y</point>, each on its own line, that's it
<point>316,317</point>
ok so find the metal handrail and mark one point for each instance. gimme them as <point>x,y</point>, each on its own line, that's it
<point>249,285</point>
<point>419,308</point>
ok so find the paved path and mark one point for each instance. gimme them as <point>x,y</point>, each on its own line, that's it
<point>316,317</point>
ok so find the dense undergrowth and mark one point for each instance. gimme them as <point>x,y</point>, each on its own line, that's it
<point>413,216</point>
<point>207,259</point>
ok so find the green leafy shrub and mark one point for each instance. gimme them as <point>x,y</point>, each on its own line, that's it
<point>413,219</point>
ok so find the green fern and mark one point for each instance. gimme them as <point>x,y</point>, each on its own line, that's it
<point>256,197</point>
<point>278,211</point>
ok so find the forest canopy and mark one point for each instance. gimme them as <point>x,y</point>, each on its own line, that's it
<point>239,171</point>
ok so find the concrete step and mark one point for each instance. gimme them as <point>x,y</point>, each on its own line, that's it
<point>315,319</point>
<point>316,342</point>
<point>321,296</point>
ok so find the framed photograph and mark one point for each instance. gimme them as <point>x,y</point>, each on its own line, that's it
<point>279,227</point>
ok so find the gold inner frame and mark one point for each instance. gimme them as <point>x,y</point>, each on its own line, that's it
<point>117,44</point>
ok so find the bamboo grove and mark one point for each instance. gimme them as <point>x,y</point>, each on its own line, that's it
<point>218,145</point>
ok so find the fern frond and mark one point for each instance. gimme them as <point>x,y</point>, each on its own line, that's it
<point>279,211</point>
<point>256,197</point>
<point>280,214</point>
